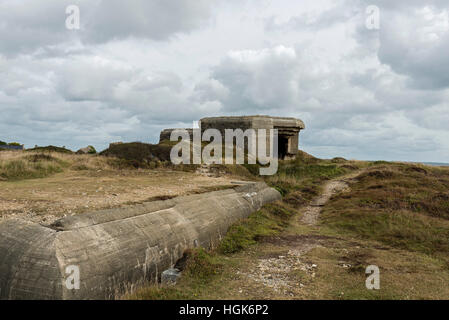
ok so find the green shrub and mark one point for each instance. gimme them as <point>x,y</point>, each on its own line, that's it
<point>201,264</point>
<point>92,150</point>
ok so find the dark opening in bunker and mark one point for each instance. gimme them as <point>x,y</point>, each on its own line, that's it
<point>282,146</point>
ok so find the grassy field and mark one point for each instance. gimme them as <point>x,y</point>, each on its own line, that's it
<point>394,216</point>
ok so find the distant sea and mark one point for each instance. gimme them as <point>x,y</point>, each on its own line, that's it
<point>437,164</point>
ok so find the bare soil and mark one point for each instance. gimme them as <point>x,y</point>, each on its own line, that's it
<point>73,192</point>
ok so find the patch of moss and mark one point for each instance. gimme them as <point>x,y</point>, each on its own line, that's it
<point>268,221</point>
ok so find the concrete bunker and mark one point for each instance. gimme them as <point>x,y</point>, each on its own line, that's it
<point>117,250</point>
<point>288,130</point>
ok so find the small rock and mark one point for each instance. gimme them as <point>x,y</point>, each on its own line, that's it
<point>87,150</point>
<point>170,276</point>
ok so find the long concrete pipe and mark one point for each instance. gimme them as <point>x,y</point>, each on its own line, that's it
<point>117,250</point>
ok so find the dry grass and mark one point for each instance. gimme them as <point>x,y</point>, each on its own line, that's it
<point>405,206</point>
<point>16,165</point>
<point>403,274</point>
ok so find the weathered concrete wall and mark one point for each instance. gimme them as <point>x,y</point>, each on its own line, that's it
<point>117,250</point>
<point>288,128</point>
<point>255,122</point>
<point>166,134</point>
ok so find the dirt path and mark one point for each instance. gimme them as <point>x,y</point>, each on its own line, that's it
<point>332,187</point>
<point>274,272</point>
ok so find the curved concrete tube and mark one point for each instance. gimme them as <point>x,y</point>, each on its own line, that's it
<point>117,250</point>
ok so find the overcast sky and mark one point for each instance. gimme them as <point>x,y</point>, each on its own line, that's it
<point>135,67</point>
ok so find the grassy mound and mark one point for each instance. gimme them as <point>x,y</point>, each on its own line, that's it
<point>404,206</point>
<point>50,149</point>
<point>30,167</point>
<point>139,154</point>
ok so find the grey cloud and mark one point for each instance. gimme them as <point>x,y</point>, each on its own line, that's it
<point>69,108</point>
<point>340,13</point>
<point>147,19</point>
<point>413,40</point>
<point>258,80</point>
<point>398,5</point>
<point>27,26</point>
